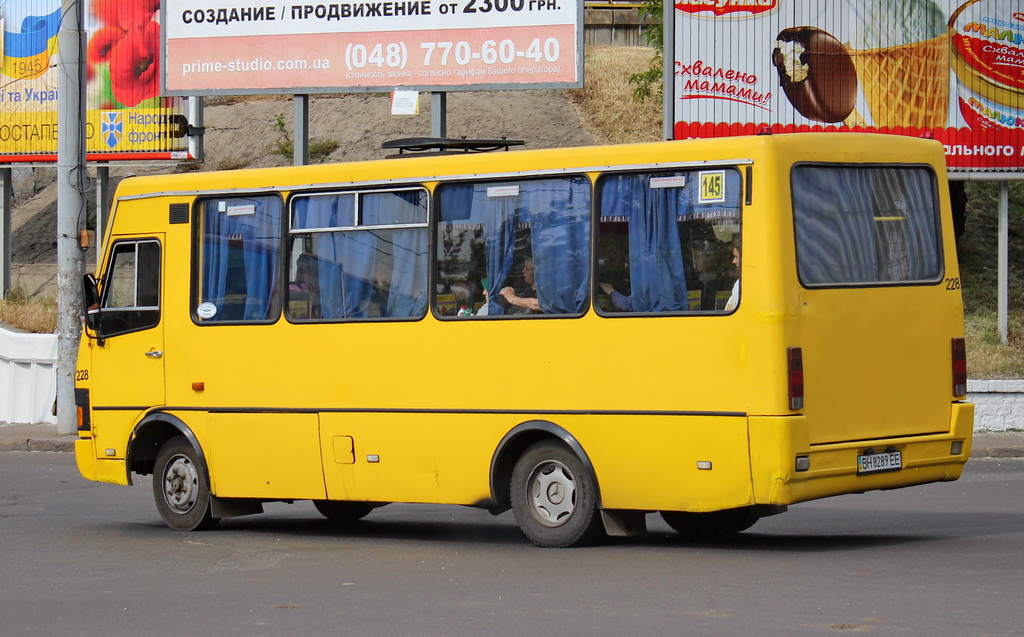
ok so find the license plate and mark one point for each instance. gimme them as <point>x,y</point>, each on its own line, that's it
<point>879,462</point>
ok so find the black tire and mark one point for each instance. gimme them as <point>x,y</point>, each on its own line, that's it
<point>553,497</point>
<point>180,488</point>
<point>344,511</point>
<point>710,526</point>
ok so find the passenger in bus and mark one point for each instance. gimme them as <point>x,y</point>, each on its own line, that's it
<point>613,266</point>
<point>526,303</point>
<point>304,291</point>
<point>709,262</point>
<point>734,298</point>
<point>619,300</point>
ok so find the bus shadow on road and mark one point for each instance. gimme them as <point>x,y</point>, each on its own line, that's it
<point>822,531</point>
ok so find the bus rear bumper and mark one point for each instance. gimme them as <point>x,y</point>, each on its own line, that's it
<point>776,444</point>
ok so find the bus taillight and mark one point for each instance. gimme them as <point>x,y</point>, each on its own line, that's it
<point>795,367</point>
<point>959,367</point>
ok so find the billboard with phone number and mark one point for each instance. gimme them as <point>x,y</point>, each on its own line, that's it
<point>371,45</point>
<point>126,117</point>
<point>948,69</point>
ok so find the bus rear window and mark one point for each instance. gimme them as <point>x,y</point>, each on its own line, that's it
<point>866,225</point>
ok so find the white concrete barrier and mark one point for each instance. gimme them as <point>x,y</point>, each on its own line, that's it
<point>28,378</point>
<point>998,404</point>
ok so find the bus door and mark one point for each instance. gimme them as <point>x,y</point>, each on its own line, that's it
<point>128,351</point>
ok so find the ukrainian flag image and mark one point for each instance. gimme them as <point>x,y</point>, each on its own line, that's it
<point>28,37</point>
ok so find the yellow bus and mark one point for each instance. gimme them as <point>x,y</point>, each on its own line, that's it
<point>709,329</point>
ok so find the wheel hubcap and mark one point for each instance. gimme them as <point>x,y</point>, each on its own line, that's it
<point>552,493</point>
<point>181,484</point>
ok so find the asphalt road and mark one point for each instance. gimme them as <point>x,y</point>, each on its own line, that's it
<point>80,558</point>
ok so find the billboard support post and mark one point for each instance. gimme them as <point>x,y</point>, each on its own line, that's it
<point>439,114</point>
<point>668,75</point>
<point>1002,314</point>
<point>102,206</point>
<point>300,127</point>
<point>6,200</point>
<point>71,202</point>
<point>197,127</point>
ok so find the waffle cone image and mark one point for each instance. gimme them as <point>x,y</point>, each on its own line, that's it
<point>906,85</point>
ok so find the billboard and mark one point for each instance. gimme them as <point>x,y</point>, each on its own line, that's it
<point>948,69</point>
<point>371,45</point>
<point>126,117</point>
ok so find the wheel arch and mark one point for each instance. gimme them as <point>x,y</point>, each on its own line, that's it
<point>150,434</point>
<point>512,446</point>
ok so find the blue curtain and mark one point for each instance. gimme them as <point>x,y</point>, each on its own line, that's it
<point>351,261</point>
<point>407,287</point>
<point>500,242</point>
<point>241,239</point>
<point>342,273</point>
<point>470,203</point>
<point>557,211</point>
<point>657,274</point>
<point>559,217</point>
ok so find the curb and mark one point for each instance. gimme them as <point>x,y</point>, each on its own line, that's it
<point>34,444</point>
<point>998,452</point>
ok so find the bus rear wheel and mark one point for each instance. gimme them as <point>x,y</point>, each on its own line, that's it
<point>710,526</point>
<point>180,488</point>
<point>553,497</point>
<point>342,511</point>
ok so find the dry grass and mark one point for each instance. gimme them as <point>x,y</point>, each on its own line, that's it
<point>32,315</point>
<point>987,357</point>
<point>606,103</point>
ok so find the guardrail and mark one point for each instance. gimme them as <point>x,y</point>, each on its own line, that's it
<point>28,377</point>
<point>998,404</point>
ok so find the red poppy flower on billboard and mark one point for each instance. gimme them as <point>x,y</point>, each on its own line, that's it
<point>135,65</point>
<point>124,53</point>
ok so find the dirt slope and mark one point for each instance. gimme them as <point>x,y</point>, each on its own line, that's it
<point>242,134</point>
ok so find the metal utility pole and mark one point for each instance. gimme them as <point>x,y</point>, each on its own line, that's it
<point>71,200</point>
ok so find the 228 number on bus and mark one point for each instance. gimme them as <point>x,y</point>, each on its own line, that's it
<point>953,283</point>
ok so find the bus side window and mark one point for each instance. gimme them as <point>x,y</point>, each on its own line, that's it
<point>513,247</point>
<point>359,255</point>
<point>131,288</point>
<point>665,245</point>
<point>239,240</point>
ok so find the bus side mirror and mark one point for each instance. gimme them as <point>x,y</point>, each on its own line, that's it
<point>91,302</point>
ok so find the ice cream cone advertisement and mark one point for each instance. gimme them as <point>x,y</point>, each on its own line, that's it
<point>952,70</point>
<point>901,51</point>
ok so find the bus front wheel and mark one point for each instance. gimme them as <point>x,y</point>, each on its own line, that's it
<point>553,497</point>
<point>180,488</point>
<point>710,526</point>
